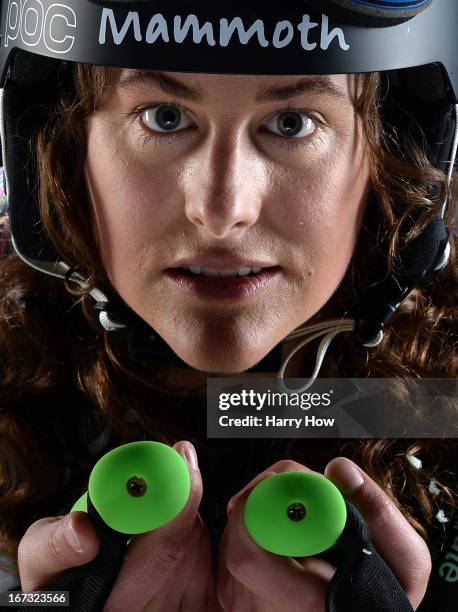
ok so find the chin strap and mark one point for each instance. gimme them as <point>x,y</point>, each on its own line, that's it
<point>331,328</point>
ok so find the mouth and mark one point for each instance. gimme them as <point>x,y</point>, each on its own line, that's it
<point>222,285</point>
<point>212,273</point>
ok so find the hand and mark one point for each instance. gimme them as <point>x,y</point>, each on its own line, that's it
<point>251,579</point>
<point>169,568</point>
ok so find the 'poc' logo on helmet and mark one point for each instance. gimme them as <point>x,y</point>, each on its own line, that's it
<point>28,22</point>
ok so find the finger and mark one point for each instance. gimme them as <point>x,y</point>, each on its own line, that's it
<point>200,590</point>
<point>395,539</point>
<point>52,545</point>
<point>274,577</point>
<point>191,580</point>
<point>152,558</point>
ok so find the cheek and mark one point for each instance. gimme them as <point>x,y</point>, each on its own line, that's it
<point>323,210</point>
<point>129,216</point>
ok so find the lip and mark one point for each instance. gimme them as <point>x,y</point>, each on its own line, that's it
<point>227,289</point>
<point>222,264</point>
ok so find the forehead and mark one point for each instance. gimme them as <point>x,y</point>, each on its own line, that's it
<point>201,88</point>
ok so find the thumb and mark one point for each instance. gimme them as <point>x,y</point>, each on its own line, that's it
<point>402,548</point>
<point>53,544</point>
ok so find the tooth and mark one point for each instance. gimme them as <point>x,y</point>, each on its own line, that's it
<point>229,273</point>
<point>209,272</point>
<point>215,273</point>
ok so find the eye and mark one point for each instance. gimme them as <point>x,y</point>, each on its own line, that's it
<point>293,123</point>
<point>164,118</point>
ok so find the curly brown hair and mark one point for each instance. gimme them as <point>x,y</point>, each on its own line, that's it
<point>56,354</point>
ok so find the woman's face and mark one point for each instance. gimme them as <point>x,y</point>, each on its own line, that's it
<point>226,172</point>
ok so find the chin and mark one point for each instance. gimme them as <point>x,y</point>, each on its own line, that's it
<point>221,363</point>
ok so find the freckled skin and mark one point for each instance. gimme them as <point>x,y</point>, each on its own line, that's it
<point>227,183</point>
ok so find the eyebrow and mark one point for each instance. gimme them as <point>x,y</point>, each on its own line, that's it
<point>172,86</point>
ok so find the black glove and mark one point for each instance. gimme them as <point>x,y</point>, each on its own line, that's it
<point>363,581</point>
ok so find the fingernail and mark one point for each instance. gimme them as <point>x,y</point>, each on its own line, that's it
<point>190,455</point>
<point>230,507</point>
<point>347,476</point>
<point>71,535</point>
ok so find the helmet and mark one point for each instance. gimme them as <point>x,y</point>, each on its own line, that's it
<point>413,42</point>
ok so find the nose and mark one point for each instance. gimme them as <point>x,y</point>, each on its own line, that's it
<point>224,189</point>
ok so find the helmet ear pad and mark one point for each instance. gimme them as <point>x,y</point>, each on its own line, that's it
<point>373,13</point>
<point>33,84</point>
